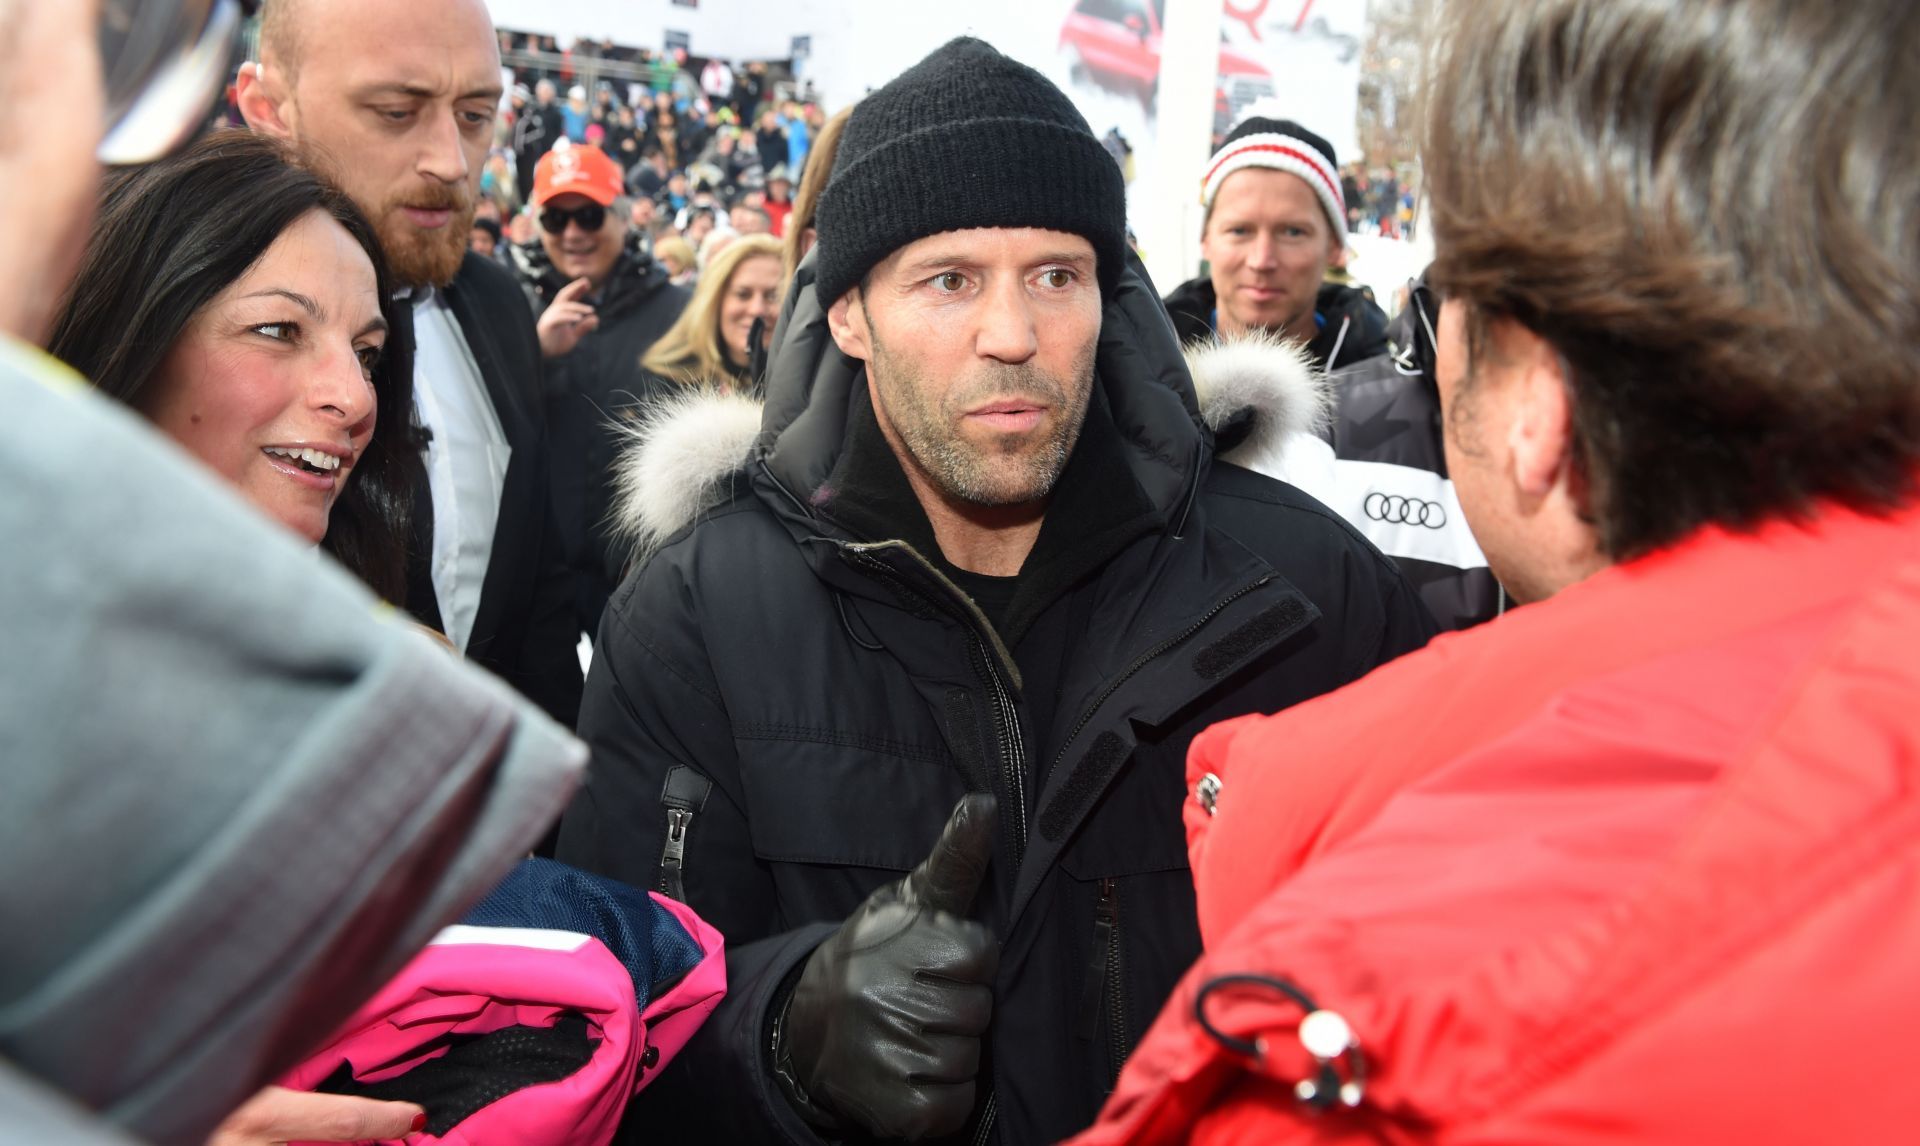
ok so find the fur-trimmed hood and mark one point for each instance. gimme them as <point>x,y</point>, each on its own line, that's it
<point>1260,395</point>
<point>677,461</point>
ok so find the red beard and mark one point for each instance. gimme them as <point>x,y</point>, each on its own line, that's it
<point>421,257</point>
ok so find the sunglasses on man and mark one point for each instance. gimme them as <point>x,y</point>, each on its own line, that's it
<point>590,218</point>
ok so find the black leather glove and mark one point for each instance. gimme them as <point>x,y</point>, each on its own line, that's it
<point>883,1030</point>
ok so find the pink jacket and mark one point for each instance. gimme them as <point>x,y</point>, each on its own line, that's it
<point>478,980</point>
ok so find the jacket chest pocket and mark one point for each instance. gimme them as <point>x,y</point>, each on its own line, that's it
<point>1134,827</point>
<point>1131,899</point>
<point>840,799</point>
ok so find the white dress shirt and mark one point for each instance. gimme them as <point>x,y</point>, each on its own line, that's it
<point>466,460</point>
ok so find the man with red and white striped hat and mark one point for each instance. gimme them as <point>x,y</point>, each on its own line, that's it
<point>1275,223</point>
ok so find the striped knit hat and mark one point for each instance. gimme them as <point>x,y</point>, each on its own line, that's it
<point>1284,146</point>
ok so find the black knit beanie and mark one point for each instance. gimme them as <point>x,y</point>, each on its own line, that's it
<point>965,138</point>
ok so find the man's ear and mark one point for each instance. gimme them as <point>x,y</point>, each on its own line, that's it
<point>1337,251</point>
<point>847,322</point>
<point>263,101</point>
<point>1540,436</point>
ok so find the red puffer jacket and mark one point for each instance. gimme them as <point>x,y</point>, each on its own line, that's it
<point>1637,864</point>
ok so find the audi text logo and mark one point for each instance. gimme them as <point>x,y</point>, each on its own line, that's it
<point>1396,510</point>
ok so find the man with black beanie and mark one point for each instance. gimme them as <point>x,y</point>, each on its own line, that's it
<point>975,565</point>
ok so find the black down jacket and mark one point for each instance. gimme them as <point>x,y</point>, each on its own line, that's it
<point>1353,328</point>
<point>588,392</point>
<point>785,708</point>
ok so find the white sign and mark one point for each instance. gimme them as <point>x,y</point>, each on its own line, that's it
<point>1305,54</point>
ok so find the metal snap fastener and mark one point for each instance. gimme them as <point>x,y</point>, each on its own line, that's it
<point>1207,791</point>
<point>1326,1035</point>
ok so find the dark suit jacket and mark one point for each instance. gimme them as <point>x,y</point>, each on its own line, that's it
<point>524,632</point>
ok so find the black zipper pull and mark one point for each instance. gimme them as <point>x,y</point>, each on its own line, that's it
<point>1116,979</point>
<point>684,794</point>
<point>1100,958</point>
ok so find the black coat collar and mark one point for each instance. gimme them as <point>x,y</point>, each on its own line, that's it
<point>1096,509</point>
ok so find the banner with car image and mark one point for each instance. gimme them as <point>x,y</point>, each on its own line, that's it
<point>1303,53</point>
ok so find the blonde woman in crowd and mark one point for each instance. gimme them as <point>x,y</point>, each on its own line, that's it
<point>712,343</point>
<point>676,254</point>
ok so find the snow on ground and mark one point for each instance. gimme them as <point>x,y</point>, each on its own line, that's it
<point>1386,265</point>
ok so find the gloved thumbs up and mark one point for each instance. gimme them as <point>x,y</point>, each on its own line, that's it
<point>883,1029</point>
<point>950,876</point>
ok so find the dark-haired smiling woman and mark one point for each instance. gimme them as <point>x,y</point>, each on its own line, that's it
<point>241,303</point>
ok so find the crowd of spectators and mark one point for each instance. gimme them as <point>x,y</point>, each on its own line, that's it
<point>708,149</point>
<point>1379,201</point>
<point>652,222</point>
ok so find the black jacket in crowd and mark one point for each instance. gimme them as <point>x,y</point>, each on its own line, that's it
<point>539,127</point>
<point>1385,467</point>
<point>747,90</point>
<point>1353,327</point>
<point>588,392</point>
<point>524,632</point>
<point>772,149</point>
<point>643,181</point>
<point>789,697</point>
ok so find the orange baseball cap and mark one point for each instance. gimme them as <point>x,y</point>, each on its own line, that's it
<point>578,170</point>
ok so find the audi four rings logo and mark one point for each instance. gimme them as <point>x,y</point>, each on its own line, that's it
<point>1396,510</point>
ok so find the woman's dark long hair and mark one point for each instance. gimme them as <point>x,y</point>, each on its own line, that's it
<point>174,234</point>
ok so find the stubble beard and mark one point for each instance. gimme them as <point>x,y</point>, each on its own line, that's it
<point>1019,472</point>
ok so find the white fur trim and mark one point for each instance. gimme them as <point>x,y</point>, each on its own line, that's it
<point>1281,153</point>
<point>683,448</point>
<point>680,452</point>
<point>1273,378</point>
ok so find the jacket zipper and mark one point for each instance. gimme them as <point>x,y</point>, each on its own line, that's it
<point>673,856</point>
<point>1107,916</point>
<point>1105,993</point>
<point>1013,777</point>
<point>1006,719</point>
<point>1013,757</point>
<point>683,795</point>
<point>988,1115</point>
<point>1013,766</point>
<point>1086,716</point>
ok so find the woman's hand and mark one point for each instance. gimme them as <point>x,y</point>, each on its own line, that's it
<point>278,1115</point>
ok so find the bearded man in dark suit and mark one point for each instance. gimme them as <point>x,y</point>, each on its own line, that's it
<point>397,104</point>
